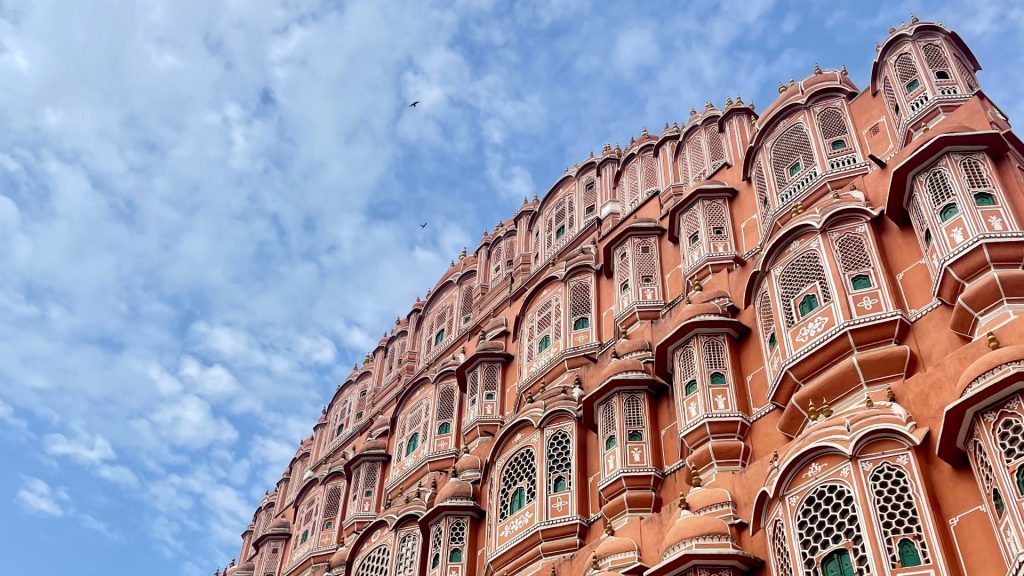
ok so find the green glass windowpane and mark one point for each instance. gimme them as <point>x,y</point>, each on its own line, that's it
<point>305,536</point>
<point>717,378</point>
<point>560,232</point>
<point>435,561</point>
<point>635,436</point>
<point>694,238</point>
<point>581,323</point>
<point>838,563</point>
<point>808,304</point>
<point>544,343</point>
<point>838,145</point>
<point>610,442</point>
<point>772,341</point>
<point>909,556</point>
<point>997,503</point>
<point>691,387</point>
<point>860,282</point>
<point>948,211</point>
<point>913,85</point>
<point>413,443</point>
<point>984,199</point>
<point>561,484</point>
<point>439,337</point>
<point>455,555</point>
<point>444,428</point>
<point>794,169</point>
<point>1020,480</point>
<point>518,500</point>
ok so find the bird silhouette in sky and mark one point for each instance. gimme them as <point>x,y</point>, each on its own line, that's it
<point>413,105</point>
<point>424,225</point>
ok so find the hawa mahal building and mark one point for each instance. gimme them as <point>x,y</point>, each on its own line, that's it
<point>787,343</point>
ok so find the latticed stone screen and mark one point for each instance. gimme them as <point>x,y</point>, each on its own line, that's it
<point>939,189</point>
<point>852,253</point>
<point>897,510</point>
<point>375,563</point>
<point>975,175</point>
<point>906,69</point>
<point>405,559</point>
<point>935,57</point>
<point>559,460</point>
<point>1010,436</point>
<point>802,272</point>
<point>828,519</point>
<point>780,550</point>
<point>633,412</point>
<point>791,155</point>
<point>520,472</point>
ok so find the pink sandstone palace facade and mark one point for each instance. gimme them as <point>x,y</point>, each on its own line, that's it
<point>781,344</point>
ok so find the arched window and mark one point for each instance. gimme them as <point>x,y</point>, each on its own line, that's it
<point>826,520</point>
<point>906,72</point>
<point>435,545</point>
<point>456,540</point>
<point>986,478</point>
<point>939,189</point>
<point>761,189</point>
<point>413,443</point>
<point>714,359</point>
<point>767,317</point>
<point>803,272</point>
<point>984,199</point>
<point>634,417</point>
<point>608,424</point>
<point>717,378</point>
<point>791,155</point>
<point>580,303</point>
<point>543,329</point>
<point>691,387</point>
<point>783,563</point>
<point>890,99</point>
<point>837,563</point>
<point>518,484</point>
<point>375,563</point>
<point>1020,480</point>
<point>559,462</point>
<point>405,560</point>
<point>909,556</point>
<point>833,128</point>
<point>581,323</point>
<point>896,508</point>
<point>445,409</point>
<point>466,303</point>
<point>860,282</point>
<point>948,211</point>
<point>609,442</point>
<point>936,60</point>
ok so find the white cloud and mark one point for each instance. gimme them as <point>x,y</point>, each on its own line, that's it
<point>83,448</point>
<point>212,382</point>
<point>189,421</point>
<point>37,497</point>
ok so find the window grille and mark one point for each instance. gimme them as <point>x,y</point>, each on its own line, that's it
<point>1010,436</point>
<point>370,478</point>
<point>920,222</point>
<point>467,303</point>
<point>559,461</point>
<point>490,380</point>
<point>832,124</point>
<point>457,534</point>
<point>405,559</point>
<point>764,312</point>
<point>802,272</point>
<point>684,169</point>
<point>608,419</point>
<point>496,261</point>
<point>716,154</point>
<point>650,173</point>
<point>827,519</point>
<point>273,562</point>
<point>890,98</point>
<point>520,472</point>
<point>446,406</point>
<point>623,275</point>
<point>783,563</point>
<point>986,477</point>
<point>687,360</point>
<point>698,169</point>
<point>714,215</point>
<point>375,563</point>
<point>966,74</point>
<point>580,300</point>
<point>897,510</point>
<point>935,57</point>
<point>435,544</point>
<point>646,265</point>
<point>791,149</point>
<point>355,488</point>
<point>939,189</point>
<point>852,252</point>
<point>332,500</point>
<point>975,175</point>
<point>714,355</point>
<point>633,411</point>
<point>761,188</point>
<point>472,383</point>
<point>906,69</point>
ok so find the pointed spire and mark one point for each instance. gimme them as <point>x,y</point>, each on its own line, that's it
<point>683,504</point>
<point>889,394</point>
<point>463,253</point>
<point>812,412</point>
<point>817,68</point>
<point>708,105</point>
<point>913,18</point>
<point>825,410</point>
<point>868,402</point>
<point>696,285</point>
<point>844,71</point>
<point>739,100</point>
<point>695,479</point>
<point>728,101</point>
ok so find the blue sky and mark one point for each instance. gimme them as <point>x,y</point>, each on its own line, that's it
<point>209,211</point>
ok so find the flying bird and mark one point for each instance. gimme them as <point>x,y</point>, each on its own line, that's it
<point>424,225</point>
<point>413,105</point>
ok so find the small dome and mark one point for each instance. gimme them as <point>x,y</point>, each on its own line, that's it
<point>468,463</point>
<point>339,558</point>
<point>701,498</point>
<point>626,348</point>
<point>375,445</point>
<point>622,366</point>
<point>613,545</point>
<point>455,489</point>
<point>245,569</point>
<point>491,346</point>
<point>691,526</point>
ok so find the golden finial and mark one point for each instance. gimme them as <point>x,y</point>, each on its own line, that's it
<point>695,480</point>
<point>728,101</point>
<point>529,398</point>
<point>463,253</point>
<point>892,29</point>
<point>826,410</point>
<point>452,263</point>
<point>751,105</point>
<point>868,402</point>
<point>844,71</point>
<point>666,126</point>
<point>913,18</point>
<point>993,343</point>
<point>835,194</point>
<point>618,149</point>
<point>889,394</point>
<point>708,105</point>
<point>739,100</point>
<point>782,87</point>
<point>697,286</point>
<point>878,47</point>
<point>775,456</point>
<point>675,126</point>
<point>535,199</point>
<point>643,133</point>
<point>812,412</point>
<point>693,111</point>
<point>792,81</point>
<point>593,562</point>
<point>683,504</point>
<point>817,68</point>
<point>607,148</point>
<point>608,527</point>
<point>631,140</point>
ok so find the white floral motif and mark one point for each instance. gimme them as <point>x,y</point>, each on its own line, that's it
<point>958,234</point>
<point>903,459</point>
<point>514,526</point>
<point>845,471</point>
<point>867,303</point>
<point>989,416</point>
<point>720,401</point>
<point>811,329</point>
<point>996,222</point>
<point>792,500</point>
<point>635,453</point>
<point>865,466</point>
<point>814,469</point>
<point>1013,404</point>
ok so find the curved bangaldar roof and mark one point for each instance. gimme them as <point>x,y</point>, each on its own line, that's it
<point>905,32</point>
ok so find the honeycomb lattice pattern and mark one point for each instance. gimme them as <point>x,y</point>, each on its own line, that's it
<point>1010,435</point>
<point>897,510</point>
<point>405,560</point>
<point>375,563</point>
<point>783,563</point>
<point>827,519</point>
<point>559,459</point>
<point>832,123</point>
<point>521,471</point>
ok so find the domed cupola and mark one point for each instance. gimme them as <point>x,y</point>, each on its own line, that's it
<point>925,72</point>
<point>469,466</point>
<point>336,564</point>
<point>614,551</point>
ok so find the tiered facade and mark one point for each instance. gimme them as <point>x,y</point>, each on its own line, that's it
<point>782,344</point>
